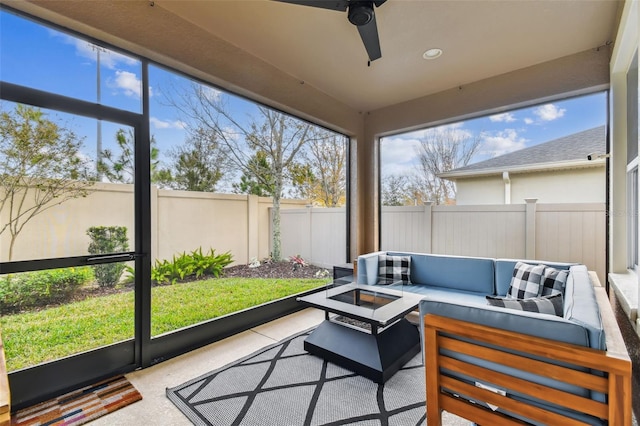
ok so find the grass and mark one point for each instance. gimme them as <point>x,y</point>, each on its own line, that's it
<point>35,337</point>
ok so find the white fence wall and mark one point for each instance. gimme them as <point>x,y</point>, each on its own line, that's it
<point>554,232</point>
<point>406,229</point>
<point>487,231</point>
<point>575,236</point>
<point>185,220</point>
<point>316,234</point>
<point>181,221</point>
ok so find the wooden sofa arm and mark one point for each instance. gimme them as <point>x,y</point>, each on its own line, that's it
<point>441,333</point>
<point>5,398</point>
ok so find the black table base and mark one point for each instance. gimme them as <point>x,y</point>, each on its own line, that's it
<point>375,356</point>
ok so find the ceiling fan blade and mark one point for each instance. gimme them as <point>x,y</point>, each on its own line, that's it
<point>340,5</point>
<point>369,35</point>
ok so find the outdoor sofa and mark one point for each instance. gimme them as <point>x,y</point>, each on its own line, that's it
<point>483,360</point>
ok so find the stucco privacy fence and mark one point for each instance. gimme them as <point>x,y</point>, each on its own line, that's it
<point>180,221</point>
<point>185,220</point>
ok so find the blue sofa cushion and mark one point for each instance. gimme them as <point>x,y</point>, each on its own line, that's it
<point>526,281</point>
<point>474,274</point>
<point>581,306</point>
<point>531,323</point>
<point>551,305</point>
<point>470,298</point>
<point>553,281</point>
<point>394,268</point>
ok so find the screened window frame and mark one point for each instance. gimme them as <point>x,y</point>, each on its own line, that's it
<point>632,215</point>
<point>69,373</point>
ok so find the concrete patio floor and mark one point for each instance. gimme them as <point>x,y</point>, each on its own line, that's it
<point>156,409</point>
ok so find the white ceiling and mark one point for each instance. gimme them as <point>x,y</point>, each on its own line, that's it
<point>480,39</point>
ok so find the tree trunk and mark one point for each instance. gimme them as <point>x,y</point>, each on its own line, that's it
<point>276,255</point>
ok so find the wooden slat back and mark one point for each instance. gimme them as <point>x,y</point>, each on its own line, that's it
<point>555,360</point>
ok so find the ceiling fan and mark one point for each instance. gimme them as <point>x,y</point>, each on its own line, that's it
<point>360,14</point>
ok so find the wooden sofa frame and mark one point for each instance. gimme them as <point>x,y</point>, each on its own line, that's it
<point>5,397</point>
<point>443,391</point>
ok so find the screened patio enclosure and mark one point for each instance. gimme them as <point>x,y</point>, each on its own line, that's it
<point>311,65</point>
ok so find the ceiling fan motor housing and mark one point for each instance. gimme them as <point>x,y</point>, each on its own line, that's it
<point>360,12</point>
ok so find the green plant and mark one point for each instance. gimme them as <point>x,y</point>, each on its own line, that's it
<point>39,288</point>
<point>108,239</point>
<point>130,277</point>
<point>195,264</point>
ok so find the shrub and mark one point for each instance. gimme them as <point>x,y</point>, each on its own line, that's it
<point>108,239</point>
<point>194,264</point>
<point>39,288</point>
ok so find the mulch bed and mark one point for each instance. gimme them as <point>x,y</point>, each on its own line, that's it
<point>268,269</point>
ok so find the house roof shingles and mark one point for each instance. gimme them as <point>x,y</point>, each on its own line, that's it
<point>572,148</point>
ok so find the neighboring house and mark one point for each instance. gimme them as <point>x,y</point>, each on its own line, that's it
<point>557,171</point>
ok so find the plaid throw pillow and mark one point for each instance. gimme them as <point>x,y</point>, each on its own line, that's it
<point>526,281</point>
<point>553,281</point>
<point>394,268</point>
<point>551,305</point>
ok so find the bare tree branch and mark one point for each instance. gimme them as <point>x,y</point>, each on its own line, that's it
<point>440,150</point>
<point>279,137</point>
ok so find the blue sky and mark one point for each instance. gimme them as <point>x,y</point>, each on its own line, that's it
<point>503,133</point>
<point>45,59</point>
<point>36,56</point>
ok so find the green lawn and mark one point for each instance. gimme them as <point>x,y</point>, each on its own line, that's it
<point>35,337</point>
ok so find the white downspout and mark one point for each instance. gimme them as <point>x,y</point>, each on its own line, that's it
<point>507,187</point>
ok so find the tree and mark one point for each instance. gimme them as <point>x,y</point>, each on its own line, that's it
<point>276,136</point>
<point>258,179</point>
<point>304,184</point>
<point>198,165</point>
<point>121,168</point>
<point>440,150</point>
<point>395,191</point>
<point>324,172</point>
<point>40,167</point>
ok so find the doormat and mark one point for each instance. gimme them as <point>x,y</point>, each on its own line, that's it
<point>80,406</point>
<point>284,385</point>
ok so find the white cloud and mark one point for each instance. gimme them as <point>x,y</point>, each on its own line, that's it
<point>232,134</point>
<point>209,93</point>
<point>455,130</point>
<point>505,117</point>
<point>84,49</point>
<point>162,124</point>
<point>528,120</point>
<point>108,58</point>
<point>128,82</point>
<point>397,155</point>
<point>501,142</point>
<point>549,112</point>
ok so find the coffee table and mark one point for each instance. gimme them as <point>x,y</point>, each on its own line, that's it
<point>377,353</point>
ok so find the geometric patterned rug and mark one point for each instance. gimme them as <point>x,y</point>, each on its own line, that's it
<point>80,406</point>
<point>284,385</point>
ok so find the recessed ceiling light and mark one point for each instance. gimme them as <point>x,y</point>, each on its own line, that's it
<point>432,54</point>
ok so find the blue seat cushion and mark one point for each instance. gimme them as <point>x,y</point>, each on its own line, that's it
<point>473,274</point>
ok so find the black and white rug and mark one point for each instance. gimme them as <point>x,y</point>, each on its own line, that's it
<point>284,385</point>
